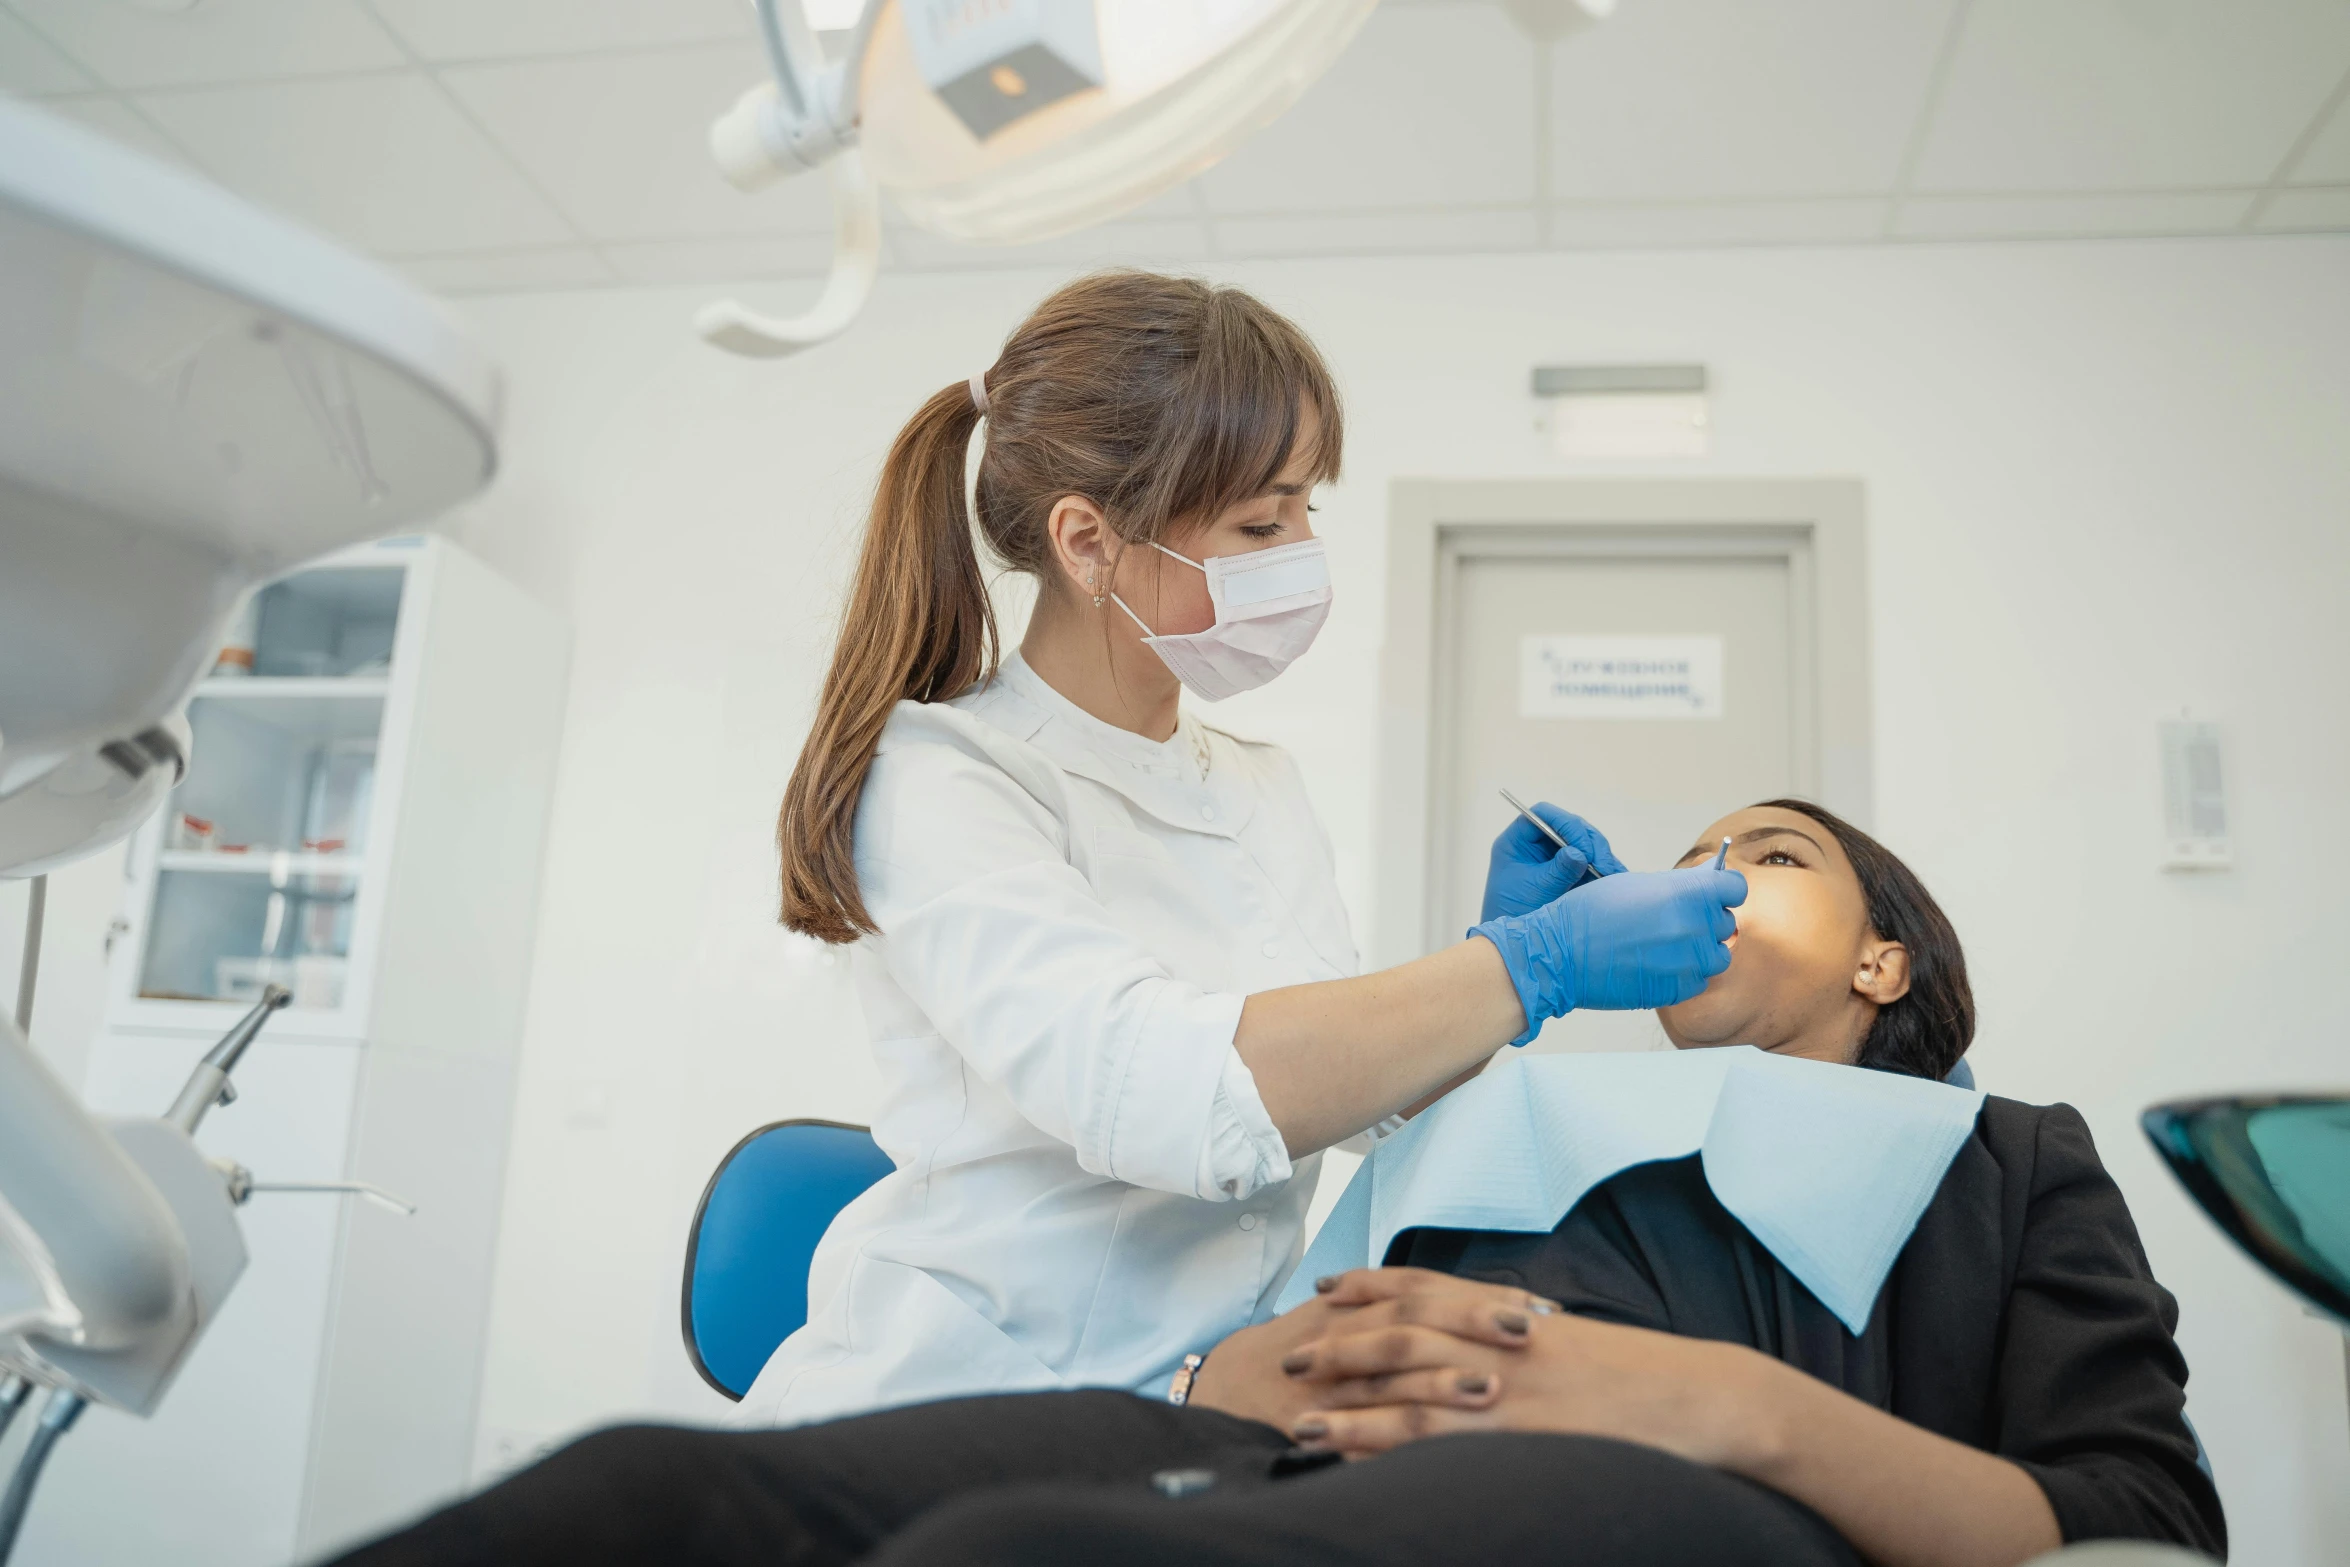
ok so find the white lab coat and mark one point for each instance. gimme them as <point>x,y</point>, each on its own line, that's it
<point>1087,1184</point>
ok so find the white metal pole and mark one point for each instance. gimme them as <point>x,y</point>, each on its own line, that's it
<point>36,906</point>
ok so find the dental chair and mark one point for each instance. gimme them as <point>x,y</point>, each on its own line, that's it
<point>767,1205</point>
<point>755,1232</point>
<point>746,1258</point>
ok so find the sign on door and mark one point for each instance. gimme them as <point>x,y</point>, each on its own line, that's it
<point>1619,677</point>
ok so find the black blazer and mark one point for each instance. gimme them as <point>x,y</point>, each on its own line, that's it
<point>2021,1318</point>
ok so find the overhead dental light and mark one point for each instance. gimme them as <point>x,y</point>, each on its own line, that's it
<point>1005,121</point>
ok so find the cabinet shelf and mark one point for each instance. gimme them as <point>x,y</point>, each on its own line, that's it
<point>321,707</point>
<point>278,864</point>
<point>277,688</point>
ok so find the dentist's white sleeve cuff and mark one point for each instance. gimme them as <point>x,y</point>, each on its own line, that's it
<point>1244,1151</point>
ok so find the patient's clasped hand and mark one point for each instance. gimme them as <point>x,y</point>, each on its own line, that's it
<point>1742,1304</point>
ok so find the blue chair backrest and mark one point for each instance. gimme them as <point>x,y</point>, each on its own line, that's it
<point>1961,1075</point>
<point>746,1261</point>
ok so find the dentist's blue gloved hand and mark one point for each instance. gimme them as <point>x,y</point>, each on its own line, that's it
<point>1528,870</point>
<point>1636,940</point>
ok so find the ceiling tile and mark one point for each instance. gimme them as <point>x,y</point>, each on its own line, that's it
<point>505,271</point>
<point>1141,244</point>
<point>217,41</point>
<point>1373,233</point>
<point>2308,210</point>
<point>1426,106</point>
<point>2327,160</point>
<point>722,260</point>
<point>621,142</point>
<point>382,162</point>
<point>2101,94</point>
<point>119,122</point>
<point>28,65</point>
<point>1839,222</point>
<point>2036,217</point>
<point>1728,98</point>
<point>474,30</point>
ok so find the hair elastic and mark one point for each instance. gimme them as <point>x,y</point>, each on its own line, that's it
<point>979,393</point>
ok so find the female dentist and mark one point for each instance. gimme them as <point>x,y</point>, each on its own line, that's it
<point>1099,944</point>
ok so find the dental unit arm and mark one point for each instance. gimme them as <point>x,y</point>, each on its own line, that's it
<point>194,397</point>
<point>117,1240</point>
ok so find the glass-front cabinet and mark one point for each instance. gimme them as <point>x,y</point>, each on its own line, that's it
<point>362,821</point>
<point>260,870</point>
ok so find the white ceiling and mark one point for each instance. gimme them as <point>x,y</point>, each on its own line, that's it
<point>491,145</point>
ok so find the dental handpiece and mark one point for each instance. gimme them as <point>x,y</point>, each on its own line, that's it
<point>1722,860</point>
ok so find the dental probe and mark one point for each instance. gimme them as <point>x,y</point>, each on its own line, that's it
<point>1723,859</point>
<point>1547,831</point>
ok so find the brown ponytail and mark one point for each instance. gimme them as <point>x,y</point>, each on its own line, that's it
<point>1158,399</point>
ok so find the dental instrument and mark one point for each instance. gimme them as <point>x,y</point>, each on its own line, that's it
<point>1529,868</point>
<point>1722,860</point>
<point>1546,829</point>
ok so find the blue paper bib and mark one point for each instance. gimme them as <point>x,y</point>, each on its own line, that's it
<point>1828,1166</point>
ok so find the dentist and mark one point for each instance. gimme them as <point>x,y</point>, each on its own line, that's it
<point>1099,944</point>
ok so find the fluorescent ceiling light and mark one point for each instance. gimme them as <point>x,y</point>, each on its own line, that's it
<point>1626,411</point>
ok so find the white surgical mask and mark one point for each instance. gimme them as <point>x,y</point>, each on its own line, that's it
<point>1269,604</point>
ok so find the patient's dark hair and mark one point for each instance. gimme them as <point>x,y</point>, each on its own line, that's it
<point>1927,1030</point>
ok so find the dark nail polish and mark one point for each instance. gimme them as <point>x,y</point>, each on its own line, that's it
<point>1295,1361</point>
<point>1326,1283</point>
<point>1513,1322</point>
<point>1475,1382</point>
<point>1310,1429</point>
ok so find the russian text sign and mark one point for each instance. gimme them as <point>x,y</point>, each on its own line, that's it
<point>1620,677</point>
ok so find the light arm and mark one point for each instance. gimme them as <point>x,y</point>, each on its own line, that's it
<point>805,118</point>
<point>856,258</point>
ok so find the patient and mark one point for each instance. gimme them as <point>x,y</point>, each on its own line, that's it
<point>1645,1384</point>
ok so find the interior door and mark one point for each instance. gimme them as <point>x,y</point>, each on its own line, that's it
<point>1649,773</point>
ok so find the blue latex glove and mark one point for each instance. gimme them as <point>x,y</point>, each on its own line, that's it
<point>1621,943</point>
<point>1528,870</point>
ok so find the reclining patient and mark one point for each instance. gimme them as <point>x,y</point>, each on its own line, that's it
<point>1685,1366</point>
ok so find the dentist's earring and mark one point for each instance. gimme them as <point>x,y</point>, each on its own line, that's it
<point>1090,587</point>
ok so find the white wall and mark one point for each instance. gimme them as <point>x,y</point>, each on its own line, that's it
<point>2104,481</point>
